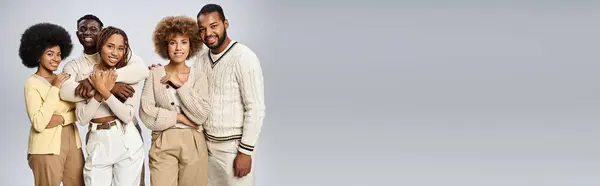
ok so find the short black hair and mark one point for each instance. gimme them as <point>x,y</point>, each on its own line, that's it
<point>90,17</point>
<point>41,36</point>
<point>212,8</point>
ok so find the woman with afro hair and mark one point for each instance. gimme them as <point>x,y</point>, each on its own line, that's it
<point>174,105</point>
<point>54,150</point>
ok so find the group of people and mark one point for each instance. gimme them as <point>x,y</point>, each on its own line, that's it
<point>205,118</point>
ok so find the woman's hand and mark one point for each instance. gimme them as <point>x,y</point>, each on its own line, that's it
<point>111,79</point>
<point>186,121</point>
<point>60,79</point>
<point>55,121</point>
<point>98,80</point>
<point>173,78</point>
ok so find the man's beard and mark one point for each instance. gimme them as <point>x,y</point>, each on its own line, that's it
<point>220,41</point>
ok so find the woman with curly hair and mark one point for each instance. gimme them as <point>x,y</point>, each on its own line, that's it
<point>115,148</point>
<point>54,150</point>
<point>174,105</point>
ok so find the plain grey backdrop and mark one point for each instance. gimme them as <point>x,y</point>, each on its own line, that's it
<point>415,93</point>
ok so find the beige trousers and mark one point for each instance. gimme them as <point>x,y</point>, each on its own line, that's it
<point>178,157</point>
<point>51,170</point>
<point>220,165</point>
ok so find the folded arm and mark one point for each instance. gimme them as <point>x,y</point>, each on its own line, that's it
<point>40,110</point>
<point>155,118</point>
<point>194,96</point>
<point>85,111</point>
<point>125,111</point>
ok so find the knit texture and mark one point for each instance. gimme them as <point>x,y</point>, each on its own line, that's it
<point>156,109</point>
<point>237,96</point>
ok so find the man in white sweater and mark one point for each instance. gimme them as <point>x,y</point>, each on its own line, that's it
<point>237,98</point>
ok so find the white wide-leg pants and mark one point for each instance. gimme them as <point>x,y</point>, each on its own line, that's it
<point>115,156</point>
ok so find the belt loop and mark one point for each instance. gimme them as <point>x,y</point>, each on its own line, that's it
<point>94,127</point>
<point>119,126</point>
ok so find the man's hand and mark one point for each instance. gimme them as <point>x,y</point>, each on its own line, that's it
<point>84,89</point>
<point>153,66</point>
<point>56,120</point>
<point>122,91</point>
<point>242,165</point>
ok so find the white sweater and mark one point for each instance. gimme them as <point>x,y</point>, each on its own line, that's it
<point>236,90</point>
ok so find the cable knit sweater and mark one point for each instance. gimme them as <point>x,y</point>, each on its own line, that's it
<point>236,90</point>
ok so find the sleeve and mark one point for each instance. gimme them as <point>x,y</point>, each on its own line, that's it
<point>40,110</point>
<point>154,117</point>
<point>250,78</point>
<point>125,111</point>
<point>69,118</point>
<point>134,72</point>
<point>86,110</point>
<point>67,90</point>
<point>194,96</point>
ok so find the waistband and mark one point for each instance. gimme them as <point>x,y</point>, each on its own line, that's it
<point>104,125</point>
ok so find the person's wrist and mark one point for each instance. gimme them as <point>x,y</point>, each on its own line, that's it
<point>103,91</point>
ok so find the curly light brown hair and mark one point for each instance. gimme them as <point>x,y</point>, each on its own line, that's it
<point>170,26</point>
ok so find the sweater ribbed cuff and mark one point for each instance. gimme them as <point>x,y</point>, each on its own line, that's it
<point>246,149</point>
<point>164,120</point>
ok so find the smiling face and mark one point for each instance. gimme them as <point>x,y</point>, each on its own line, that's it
<point>51,58</point>
<point>179,48</point>
<point>87,32</point>
<point>213,30</point>
<point>113,50</point>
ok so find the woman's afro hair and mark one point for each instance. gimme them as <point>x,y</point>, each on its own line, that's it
<point>41,36</point>
<point>171,25</point>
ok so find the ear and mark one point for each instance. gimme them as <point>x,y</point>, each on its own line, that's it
<point>226,23</point>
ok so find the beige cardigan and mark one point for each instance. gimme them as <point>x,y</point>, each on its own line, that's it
<point>156,110</point>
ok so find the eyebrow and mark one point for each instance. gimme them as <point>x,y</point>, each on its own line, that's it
<point>109,43</point>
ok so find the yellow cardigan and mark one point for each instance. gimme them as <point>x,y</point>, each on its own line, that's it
<point>42,101</point>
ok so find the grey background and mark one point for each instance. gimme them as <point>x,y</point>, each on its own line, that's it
<point>419,93</point>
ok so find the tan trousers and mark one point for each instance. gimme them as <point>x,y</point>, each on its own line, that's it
<point>220,165</point>
<point>67,167</point>
<point>178,157</point>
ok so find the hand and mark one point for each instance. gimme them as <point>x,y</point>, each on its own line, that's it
<point>186,121</point>
<point>98,80</point>
<point>242,165</point>
<point>110,79</point>
<point>84,89</point>
<point>55,121</point>
<point>153,66</point>
<point>122,91</point>
<point>173,78</point>
<point>60,79</point>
